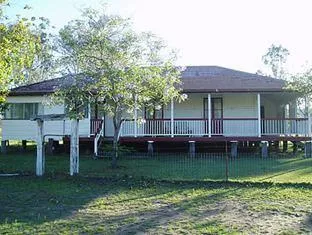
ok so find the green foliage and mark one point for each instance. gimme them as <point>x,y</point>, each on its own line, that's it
<point>128,69</point>
<point>302,82</point>
<point>18,48</point>
<point>275,58</point>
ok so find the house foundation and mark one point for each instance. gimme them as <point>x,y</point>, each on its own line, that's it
<point>308,149</point>
<point>192,148</point>
<point>24,145</point>
<point>264,149</point>
<point>234,145</point>
<point>150,147</point>
<point>4,146</point>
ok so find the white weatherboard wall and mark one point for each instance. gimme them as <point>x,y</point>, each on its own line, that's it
<point>27,130</point>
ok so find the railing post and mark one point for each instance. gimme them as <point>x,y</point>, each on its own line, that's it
<point>259,114</point>
<point>135,117</point>
<point>209,115</point>
<point>172,118</point>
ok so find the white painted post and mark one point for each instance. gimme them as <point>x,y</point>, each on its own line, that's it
<point>135,116</point>
<point>74,148</point>
<point>40,162</point>
<point>103,124</point>
<point>89,117</point>
<point>172,118</point>
<point>209,115</point>
<point>259,114</point>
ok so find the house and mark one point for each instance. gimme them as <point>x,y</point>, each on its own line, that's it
<point>223,105</point>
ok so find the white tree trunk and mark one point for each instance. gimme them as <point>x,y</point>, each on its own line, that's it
<point>74,148</point>
<point>40,162</point>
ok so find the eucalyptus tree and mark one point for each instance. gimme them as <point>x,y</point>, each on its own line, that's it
<point>275,58</point>
<point>129,70</point>
<point>18,48</point>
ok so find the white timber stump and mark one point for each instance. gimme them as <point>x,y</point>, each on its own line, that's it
<point>40,162</point>
<point>74,148</point>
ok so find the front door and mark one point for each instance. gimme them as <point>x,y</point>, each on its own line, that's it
<point>216,115</point>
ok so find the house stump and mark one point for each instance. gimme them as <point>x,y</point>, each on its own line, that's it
<point>295,147</point>
<point>264,149</point>
<point>285,146</point>
<point>150,148</point>
<point>24,145</point>
<point>192,148</point>
<point>234,145</point>
<point>308,149</point>
<point>50,146</point>
<point>4,146</point>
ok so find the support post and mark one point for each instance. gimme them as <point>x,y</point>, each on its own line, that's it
<point>309,126</point>
<point>50,146</point>
<point>24,145</point>
<point>234,145</point>
<point>264,149</point>
<point>135,116</point>
<point>308,149</point>
<point>285,146</point>
<point>295,147</point>
<point>172,118</point>
<point>150,148</point>
<point>74,148</point>
<point>259,114</point>
<point>192,148</point>
<point>209,115</point>
<point>4,146</point>
<point>40,161</point>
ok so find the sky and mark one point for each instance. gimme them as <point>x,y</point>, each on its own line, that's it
<point>234,34</point>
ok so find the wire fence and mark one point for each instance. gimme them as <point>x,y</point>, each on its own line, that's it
<point>248,166</point>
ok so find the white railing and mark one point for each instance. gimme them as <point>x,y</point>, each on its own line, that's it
<point>289,126</point>
<point>240,127</point>
<point>226,127</point>
<point>195,127</point>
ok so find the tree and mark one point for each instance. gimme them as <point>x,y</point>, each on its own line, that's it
<point>275,59</point>
<point>18,48</point>
<point>302,84</point>
<point>128,70</point>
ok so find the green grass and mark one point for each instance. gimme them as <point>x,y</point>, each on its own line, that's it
<point>277,168</point>
<point>79,205</point>
<point>176,195</point>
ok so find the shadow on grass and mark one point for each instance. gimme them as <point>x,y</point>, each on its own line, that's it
<point>58,202</point>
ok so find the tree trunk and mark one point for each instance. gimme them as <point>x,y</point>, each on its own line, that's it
<point>74,147</point>
<point>115,148</point>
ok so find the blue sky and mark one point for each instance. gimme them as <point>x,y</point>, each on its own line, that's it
<point>227,33</point>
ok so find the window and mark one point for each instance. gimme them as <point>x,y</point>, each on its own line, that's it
<point>22,111</point>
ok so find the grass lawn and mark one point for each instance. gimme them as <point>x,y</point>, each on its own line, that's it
<point>120,201</point>
<point>79,205</point>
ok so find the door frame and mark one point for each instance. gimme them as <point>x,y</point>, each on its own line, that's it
<point>214,129</point>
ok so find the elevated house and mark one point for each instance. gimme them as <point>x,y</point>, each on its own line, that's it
<point>223,105</point>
